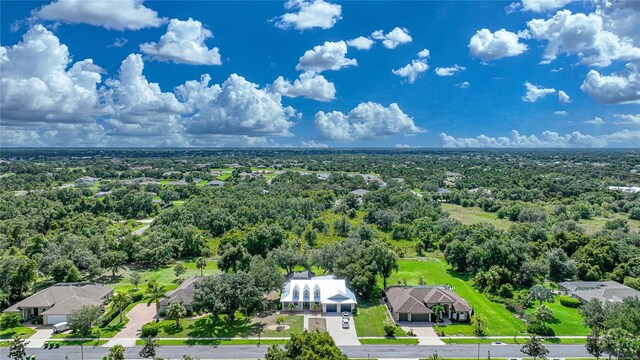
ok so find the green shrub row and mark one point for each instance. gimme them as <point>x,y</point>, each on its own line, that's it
<point>570,302</point>
<point>149,330</point>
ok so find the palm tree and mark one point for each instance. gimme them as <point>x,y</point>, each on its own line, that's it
<point>175,311</point>
<point>479,324</point>
<point>438,310</point>
<point>120,300</point>
<point>201,263</point>
<point>155,293</point>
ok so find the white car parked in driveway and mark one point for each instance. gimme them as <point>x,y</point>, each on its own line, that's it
<point>345,323</point>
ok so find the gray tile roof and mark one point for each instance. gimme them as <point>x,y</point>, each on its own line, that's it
<point>63,298</point>
<point>183,294</point>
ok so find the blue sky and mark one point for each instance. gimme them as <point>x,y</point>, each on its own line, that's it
<point>581,61</point>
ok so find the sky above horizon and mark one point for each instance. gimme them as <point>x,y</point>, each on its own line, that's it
<point>532,73</point>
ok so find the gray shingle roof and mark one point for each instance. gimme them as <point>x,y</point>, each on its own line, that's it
<point>63,298</point>
<point>183,294</point>
<point>418,299</point>
<point>603,290</point>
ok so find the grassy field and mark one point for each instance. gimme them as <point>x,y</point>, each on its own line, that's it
<point>203,327</point>
<point>568,320</point>
<point>454,340</point>
<point>371,319</point>
<point>164,276</point>
<point>436,271</point>
<point>594,225</point>
<point>474,215</point>
<point>216,342</point>
<point>23,331</point>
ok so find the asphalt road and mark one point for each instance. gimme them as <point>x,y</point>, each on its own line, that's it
<point>255,352</point>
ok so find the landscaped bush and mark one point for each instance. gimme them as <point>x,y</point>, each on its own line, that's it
<point>390,329</point>
<point>108,318</point>
<point>9,320</point>
<point>540,328</point>
<point>149,330</point>
<point>137,296</point>
<point>37,320</point>
<point>570,302</point>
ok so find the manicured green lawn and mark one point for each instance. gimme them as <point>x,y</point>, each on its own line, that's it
<point>83,342</point>
<point>164,276</point>
<point>436,271</point>
<point>371,319</point>
<point>23,331</point>
<point>216,342</point>
<point>203,327</point>
<point>568,320</point>
<point>296,326</point>
<point>454,340</point>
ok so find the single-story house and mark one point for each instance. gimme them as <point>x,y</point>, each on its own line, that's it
<point>323,175</point>
<point>86,181</point>
<point>183,294</point>
<point>359,192</point>
<point>57,302</point>
<point>216,183</point>
<point>415,303</point>
<point>324,293</point>
<point>102,194</point>
<point>605,291</point>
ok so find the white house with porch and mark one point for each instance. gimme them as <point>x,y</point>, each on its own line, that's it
<point>321,293</point>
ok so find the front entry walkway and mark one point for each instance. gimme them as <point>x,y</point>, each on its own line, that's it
<point>138,316</point>
<point>342,337</point>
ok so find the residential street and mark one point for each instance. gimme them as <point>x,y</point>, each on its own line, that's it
<point>255,352</point>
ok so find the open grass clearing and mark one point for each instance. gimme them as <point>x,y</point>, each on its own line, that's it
<point>389,341</point>
<point>371,318</point>
<point>474,215</point>
<point>568,320</point>
<point>23,331</point>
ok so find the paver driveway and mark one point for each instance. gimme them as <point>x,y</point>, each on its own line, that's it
<point>341,336</point>
<point>138,316</point>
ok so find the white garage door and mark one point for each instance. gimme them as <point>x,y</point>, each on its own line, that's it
<point>55,319</point>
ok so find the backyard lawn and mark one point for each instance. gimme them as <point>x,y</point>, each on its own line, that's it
<point>474,215</point>
<point>436,271</point>
<point>568,320</point>
<point>371,319</point>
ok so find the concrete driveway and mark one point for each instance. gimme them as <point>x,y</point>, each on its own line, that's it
<point>138,316</point>
<point>425,333</point>
<point>38,339</point>
<point>341,336</point>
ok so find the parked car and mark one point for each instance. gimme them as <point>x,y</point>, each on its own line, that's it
<point>345,323</point>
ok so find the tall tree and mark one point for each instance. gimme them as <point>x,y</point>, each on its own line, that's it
<point>113,260</point>
<point>149,348</point>
<point>135,278</point>
<point>81,321</point>
<point>383,259</point>
<point>176,311</point>
<point>18,348</point>
<point>201,263</point>
<point>593,315</point>
<point>541,294</point>
<point>307,345</point>
<point>594,344</point>
<point>155,293</point>
<point>535,348</point>
<point>120,300</point>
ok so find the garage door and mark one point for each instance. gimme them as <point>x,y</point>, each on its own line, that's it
<point>403,317</point>
<point>419,317</point>
<point>345,307</point>
<point>54,319</point>
<point>332,308</point>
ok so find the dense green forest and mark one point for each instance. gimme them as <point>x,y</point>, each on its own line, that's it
<point>541,217</point>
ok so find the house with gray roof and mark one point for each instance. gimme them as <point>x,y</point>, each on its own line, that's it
<point>57,302</point>
<point>216,183</point>
<point>359,192</point>
<point>605,291</point>
<point>415,303</point>
<point>86,181</point>
<point>183,294</point>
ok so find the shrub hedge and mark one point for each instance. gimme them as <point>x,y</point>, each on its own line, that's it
<point>570,302</point>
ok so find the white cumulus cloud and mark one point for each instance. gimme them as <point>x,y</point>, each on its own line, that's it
<point>449,71</point>
<point>237,107</point>
<point>314,144</point>
<point>617,88</point>
<point>548,139</point>
<point>184,42</point>
<point>361,43</point>
<point>412,71</point>
<point>110,14</point>
<point>563,97</point>
<point>560,113</point>
<point>392,39</point>
<point>488,46</point>
<point>627,119</point>
<point>366,121</point>
<point>543,5</point>
<point>581,35</point>
<point>329,56</point>
<point>311,14</point>
<point>40,84</point>
<point>595,121</point>
<point>310,85</point>
<point>535,93</point>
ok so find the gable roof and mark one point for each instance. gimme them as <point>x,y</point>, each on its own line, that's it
<point>418,299</point>
<point>332,290</point>
<point>183,294</point>
<point>63,298</point>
